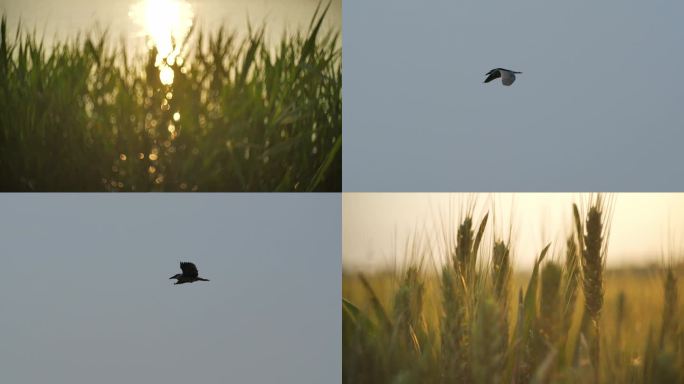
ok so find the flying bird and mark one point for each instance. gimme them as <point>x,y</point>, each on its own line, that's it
<point>507,76</point>
<point>189,275</point>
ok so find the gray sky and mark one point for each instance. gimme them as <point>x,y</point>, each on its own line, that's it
<point>645,227</point>
<point>86,296</point>
<point>598,106</point>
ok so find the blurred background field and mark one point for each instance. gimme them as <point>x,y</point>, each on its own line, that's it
<point>227,109</point>
<point>642,284</point>
<point>462,310</point>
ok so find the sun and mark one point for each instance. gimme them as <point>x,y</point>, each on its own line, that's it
<point>165,23</point>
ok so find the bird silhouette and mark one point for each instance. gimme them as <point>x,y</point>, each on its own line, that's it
<point>189,275</point>
<point>507,76</point>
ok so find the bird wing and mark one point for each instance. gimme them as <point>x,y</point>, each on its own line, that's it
<point>493,74</point>
<point>189,269</point>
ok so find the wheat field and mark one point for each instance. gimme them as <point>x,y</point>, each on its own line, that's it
<point>476,320</point>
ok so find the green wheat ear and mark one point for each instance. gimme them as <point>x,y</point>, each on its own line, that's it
<point>592,281</point>
<point>464,243</point>
<point>572,275</point>
<point>571,280</point>
<point>501,271</point>
<point>488,342</point>
<point>408,308</point>
<point>550,303</point>
<point>592,263</point>
<point>452,327</point>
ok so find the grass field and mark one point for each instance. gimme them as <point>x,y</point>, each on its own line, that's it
<point>475,320</point>
<point>242,114</point>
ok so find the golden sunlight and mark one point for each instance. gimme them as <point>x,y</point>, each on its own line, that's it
<point>644,226</point>
<point>165,23</point>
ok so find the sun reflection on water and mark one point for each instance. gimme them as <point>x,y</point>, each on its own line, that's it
<point>165,23</point>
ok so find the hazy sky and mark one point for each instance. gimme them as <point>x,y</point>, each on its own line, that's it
<point>85,294</point>
<point>67,17</point>
<point>598,106</point>
<point>643,225</point>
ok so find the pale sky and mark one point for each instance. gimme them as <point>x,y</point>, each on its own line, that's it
<point>596,108</point>
<point>85,295</point>
<point>644,227</point>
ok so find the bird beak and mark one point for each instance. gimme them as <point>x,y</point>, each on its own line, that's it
<point>172,277</point>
